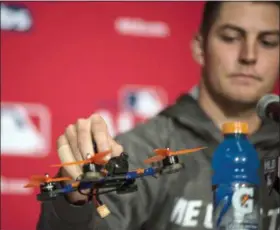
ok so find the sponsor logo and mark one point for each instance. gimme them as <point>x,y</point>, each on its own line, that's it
<point>144,102</point>
<point>14,186</point>
<point>117,123</point>
<point>15,18</point>
<point>194,214</point>
<point>140,27</point>
<point>135,104</point>
<point>25,130</point>
<point>243,203</point>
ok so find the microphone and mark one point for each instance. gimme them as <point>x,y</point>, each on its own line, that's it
<point>269,107</point>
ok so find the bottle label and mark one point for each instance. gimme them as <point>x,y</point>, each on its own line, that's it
<point>236,207</point>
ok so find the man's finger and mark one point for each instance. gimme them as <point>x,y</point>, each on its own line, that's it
<point>71,136</point>
<point>117,149</point>
<point>65,155</point>
<point>100,133</point>
<point>85,143</point>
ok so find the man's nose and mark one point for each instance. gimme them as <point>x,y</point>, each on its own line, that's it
<point>248,53</point>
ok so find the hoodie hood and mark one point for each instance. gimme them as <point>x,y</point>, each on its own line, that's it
<point>188,113</point>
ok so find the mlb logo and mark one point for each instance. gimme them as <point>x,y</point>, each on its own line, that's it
<point>142,101</point>
<point>15,18</point>
<point>25,130</point>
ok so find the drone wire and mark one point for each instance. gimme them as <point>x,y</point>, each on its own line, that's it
<point>95,200</point>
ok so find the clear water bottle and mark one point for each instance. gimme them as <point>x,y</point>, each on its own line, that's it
<point>236,181</point>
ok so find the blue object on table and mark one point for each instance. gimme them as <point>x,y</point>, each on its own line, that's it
<point>236,181</point>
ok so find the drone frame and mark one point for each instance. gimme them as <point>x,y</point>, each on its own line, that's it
<point>101,181</point>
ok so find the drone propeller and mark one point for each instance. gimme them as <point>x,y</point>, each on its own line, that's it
<point>37,180</point>
<point>97,159</point>
<point>32,184</point>
<point>163,153</point>
<point>154,159</point>
<point>185,151</point>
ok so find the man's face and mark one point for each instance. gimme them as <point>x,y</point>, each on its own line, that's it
<point>241,58</point>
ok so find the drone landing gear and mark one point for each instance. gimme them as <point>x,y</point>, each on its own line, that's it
<point>171,164</point>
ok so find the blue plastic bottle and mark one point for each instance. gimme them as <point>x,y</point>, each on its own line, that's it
<point>236,181</point>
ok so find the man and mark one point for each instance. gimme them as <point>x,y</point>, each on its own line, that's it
<point>238,50</point>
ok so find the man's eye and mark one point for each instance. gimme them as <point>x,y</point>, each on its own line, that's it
<point>227,38</point>
<point>270,44</point>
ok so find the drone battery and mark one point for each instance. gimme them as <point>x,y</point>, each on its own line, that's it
<point>103,211</point>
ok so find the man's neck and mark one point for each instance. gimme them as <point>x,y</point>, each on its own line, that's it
<point>221,113</point>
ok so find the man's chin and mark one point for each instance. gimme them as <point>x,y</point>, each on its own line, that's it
<point>243,98</point>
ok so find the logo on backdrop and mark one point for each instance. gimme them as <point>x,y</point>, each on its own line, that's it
<point>144,102</point>
<point>135,104</point>
<point>142,28</point>
<point>15,18</point>
<point>14,186</point>
<point>25,130</point>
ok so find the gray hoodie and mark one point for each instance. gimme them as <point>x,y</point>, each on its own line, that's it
<point>180,201</point>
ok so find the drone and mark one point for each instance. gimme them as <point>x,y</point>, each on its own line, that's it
<point>109,176</point>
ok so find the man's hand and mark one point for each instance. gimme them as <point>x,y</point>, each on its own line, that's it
<point>77,142</point>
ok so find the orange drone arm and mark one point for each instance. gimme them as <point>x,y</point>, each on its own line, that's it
<point>75,184</point>
<point>138,171</point>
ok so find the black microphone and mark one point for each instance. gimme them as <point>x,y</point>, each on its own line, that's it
<point>269,107</point>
